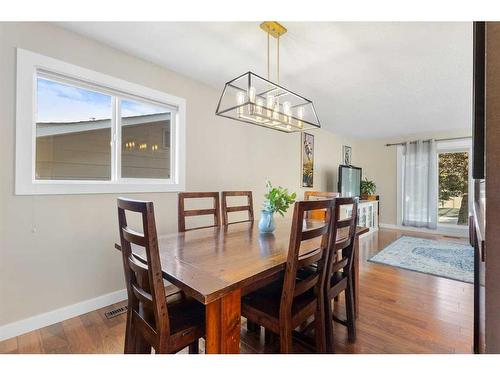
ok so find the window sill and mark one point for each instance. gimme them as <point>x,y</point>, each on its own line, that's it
<point>98,187</point>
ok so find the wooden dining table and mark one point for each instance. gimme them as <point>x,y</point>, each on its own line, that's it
<point>216,266</point>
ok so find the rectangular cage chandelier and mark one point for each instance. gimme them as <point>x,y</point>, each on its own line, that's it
<point>256,100</point>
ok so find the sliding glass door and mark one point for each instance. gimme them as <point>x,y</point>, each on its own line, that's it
<point>448,187</point>
<point>453,201</point>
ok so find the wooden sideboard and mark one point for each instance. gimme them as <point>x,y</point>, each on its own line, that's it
<point>367,214</point>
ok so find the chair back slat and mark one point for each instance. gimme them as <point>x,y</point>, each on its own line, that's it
<point>342,244</point>
<point>183,213</point>
<point>305,285</point>
<point>146,295</point>
<point>313,233</point>
<point>205,211</point>
<point>226,209</point>
<point>339,265</point>
<point>344,223</point>
<point>134,237</point>
<point>141,272</point>
<point>318,195</point>
<point>238,208</point>
<point>310,258</point>
<point>143,296</point>
<point>295,260</point>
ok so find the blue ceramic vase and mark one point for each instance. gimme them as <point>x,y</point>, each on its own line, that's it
<point>266,223</point>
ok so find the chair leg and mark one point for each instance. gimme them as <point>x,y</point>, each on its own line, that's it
<point>350,313</point>
<point>330,347</point>
<point>194,348</point>
<point>286,341</point>
<point>142,346</point>
<point>319,327</point>
<point>134,343</point>
<point>129,335</point>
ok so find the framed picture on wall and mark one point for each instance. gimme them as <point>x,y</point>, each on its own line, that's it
<point>307,160</point>
<point>346,155</point>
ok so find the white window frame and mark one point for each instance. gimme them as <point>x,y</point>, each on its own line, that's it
<point>29,65</point>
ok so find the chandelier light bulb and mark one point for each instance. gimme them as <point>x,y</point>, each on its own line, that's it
<point>260,103</point>
<point>287,111</point>
<point>276,114</point>
<point>286,108</point>
<point>269,104</point>
<point>251,94</point>
<point>240,99</point>
<point>300,112</point>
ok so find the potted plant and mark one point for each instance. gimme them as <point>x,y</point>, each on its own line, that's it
<point>368,189</point>
<point>277,200</point>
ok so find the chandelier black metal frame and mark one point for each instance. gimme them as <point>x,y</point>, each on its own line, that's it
<point>253,99</point>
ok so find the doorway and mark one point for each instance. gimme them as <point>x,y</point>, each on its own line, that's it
<point>453,188</point>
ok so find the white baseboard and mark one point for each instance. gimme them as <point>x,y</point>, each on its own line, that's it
<point>46,319</point>
<point>456,232</point>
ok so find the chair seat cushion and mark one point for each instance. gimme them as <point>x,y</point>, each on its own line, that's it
<point>185,314</point>
<point>265,302</point>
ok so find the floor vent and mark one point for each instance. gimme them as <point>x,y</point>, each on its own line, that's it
<point>115,312</point>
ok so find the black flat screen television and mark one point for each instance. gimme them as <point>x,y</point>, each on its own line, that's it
<point>349,184</point>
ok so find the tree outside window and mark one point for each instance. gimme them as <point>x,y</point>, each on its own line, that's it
<point>453,187</point>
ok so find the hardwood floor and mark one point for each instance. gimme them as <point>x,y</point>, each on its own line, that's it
<point>400,312</point>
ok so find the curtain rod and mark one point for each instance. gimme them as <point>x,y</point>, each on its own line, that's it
<point>427,140</point>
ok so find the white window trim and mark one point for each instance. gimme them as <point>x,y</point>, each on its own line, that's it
<point>28,64</point>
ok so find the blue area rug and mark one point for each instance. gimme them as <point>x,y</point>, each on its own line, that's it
<point>453,260</point>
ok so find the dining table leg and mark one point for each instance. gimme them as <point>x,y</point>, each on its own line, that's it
<point>223,324</point>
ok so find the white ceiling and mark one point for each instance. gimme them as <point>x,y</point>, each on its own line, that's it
<point>367,79</point>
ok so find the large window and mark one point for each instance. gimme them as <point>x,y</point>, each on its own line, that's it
<point>145,140</point>
<point>80,131</point>
<point>73,132</point>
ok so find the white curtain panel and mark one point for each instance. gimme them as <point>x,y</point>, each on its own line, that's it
<point>420,187</point>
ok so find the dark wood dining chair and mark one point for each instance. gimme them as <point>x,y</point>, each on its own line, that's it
<point>339,274</point>
<point>225,221</point>
<point>286,304</point>
<point>227,209</point>
<point>153,321</point>
<point>183,213</point>
<point>318,195</point>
